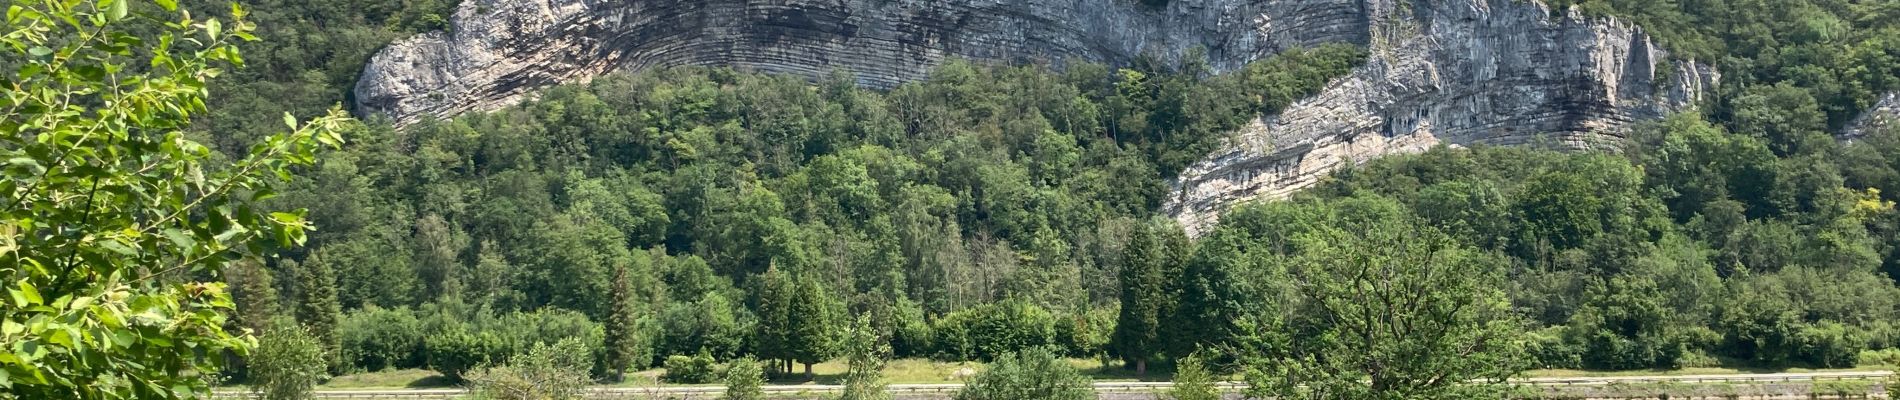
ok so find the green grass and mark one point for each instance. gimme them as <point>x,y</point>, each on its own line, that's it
<point>1572,373</point>
<point>931,371</point>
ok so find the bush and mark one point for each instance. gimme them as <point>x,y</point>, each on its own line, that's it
<point>864,356</point>
<point>1626,326</point>
<point>713,324</point>
<point>545,372</point>
<point>1192,381</point>
<point>1550,350</point>
<point>287,364</point>
<point>1086,334</point>
<point>745,380</point>
<point>1882,357</point>
<point>520,331</point>
<point>911,335</point>
<point>375,339</point>
<point>689,370</point>
<point>457,351</point>
<point>1829,345</point>
<point>1034,373</point>
<point>990,330</point>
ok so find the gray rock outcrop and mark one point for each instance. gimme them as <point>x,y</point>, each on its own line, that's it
<point>1885,114</point>
<point>1500,72</point>
<point>1493,72</point>
<point>500,50</point>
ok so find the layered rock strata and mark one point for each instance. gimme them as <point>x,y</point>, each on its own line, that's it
<point>500,50</point>
<point>1497,72</point>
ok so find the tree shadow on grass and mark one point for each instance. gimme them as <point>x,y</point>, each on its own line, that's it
<point>798,378</point>
<point>432,382</point>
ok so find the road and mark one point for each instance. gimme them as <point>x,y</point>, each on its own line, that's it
<point>1108,390</point>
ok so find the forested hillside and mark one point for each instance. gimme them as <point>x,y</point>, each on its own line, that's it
<point>685,216</point>
<point>991,209</point>
<point>981,197</point>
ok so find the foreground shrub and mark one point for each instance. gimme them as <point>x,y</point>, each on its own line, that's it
<point>287,364</point>
<point>1193,381</point>
<point>987,331</point>
<point>545,372</point>
<point>375,339</point>
<point>745,380</point>
<point>455,352</point>
<point>689,370</point>
<point>1882,357</point>
<point>1036,373</point>
<point>1829,345</point>
<point>864,373</point>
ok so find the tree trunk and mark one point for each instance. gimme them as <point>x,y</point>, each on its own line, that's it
<point>808,375</point>
<point>1141,367</point>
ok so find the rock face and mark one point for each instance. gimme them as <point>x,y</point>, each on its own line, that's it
<point>1883,115</point>
<point>1456,72</point>
<point>1499,72</point>
<point>500,50</point>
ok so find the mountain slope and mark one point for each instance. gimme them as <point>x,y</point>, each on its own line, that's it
<point>1451,71</point>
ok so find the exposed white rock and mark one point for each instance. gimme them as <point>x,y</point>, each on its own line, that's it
<point>1493,72</point>
<point>500,50</point>
<point>1885,114</point>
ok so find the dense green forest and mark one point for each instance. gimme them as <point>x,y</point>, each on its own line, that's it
<point>723,198</point>
<point>990,209</point>
<point>682,217</point>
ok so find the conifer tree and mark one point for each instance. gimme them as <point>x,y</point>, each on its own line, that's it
<point>317,305</point>
<point>775,326</point>
<point>255,295</point>
<point>1153,253</point>
<point>623,334</point>
<point>815,317</point>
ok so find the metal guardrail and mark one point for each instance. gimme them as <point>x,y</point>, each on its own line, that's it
<point>1100,387</point>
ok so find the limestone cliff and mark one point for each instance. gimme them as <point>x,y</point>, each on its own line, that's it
<point>1494,72</point>
<point>1442,71</point>
<point>499,50</point>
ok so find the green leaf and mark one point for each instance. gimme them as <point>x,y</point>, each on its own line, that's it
<point>60,337</point>
<point>290,121</point>
<point>180,239</point>
<point>116,11</point>
<point>117,247</point>
<point>26,295</point>
<point>214,28</point>
<point>169,5</point>
<point>80,302</point>
<point>286,218</point>
<point>39,51</point>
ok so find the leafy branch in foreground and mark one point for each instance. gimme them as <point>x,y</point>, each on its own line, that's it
<point>115,225</point>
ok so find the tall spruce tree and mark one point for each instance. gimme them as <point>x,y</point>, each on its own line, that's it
<point>254,293</point>
<point>775,322</point>
<point>623,334</point>
<point>1154,255</point>
<point>317,305</point>
<point>815,318</point>
<point>1137,332</point>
